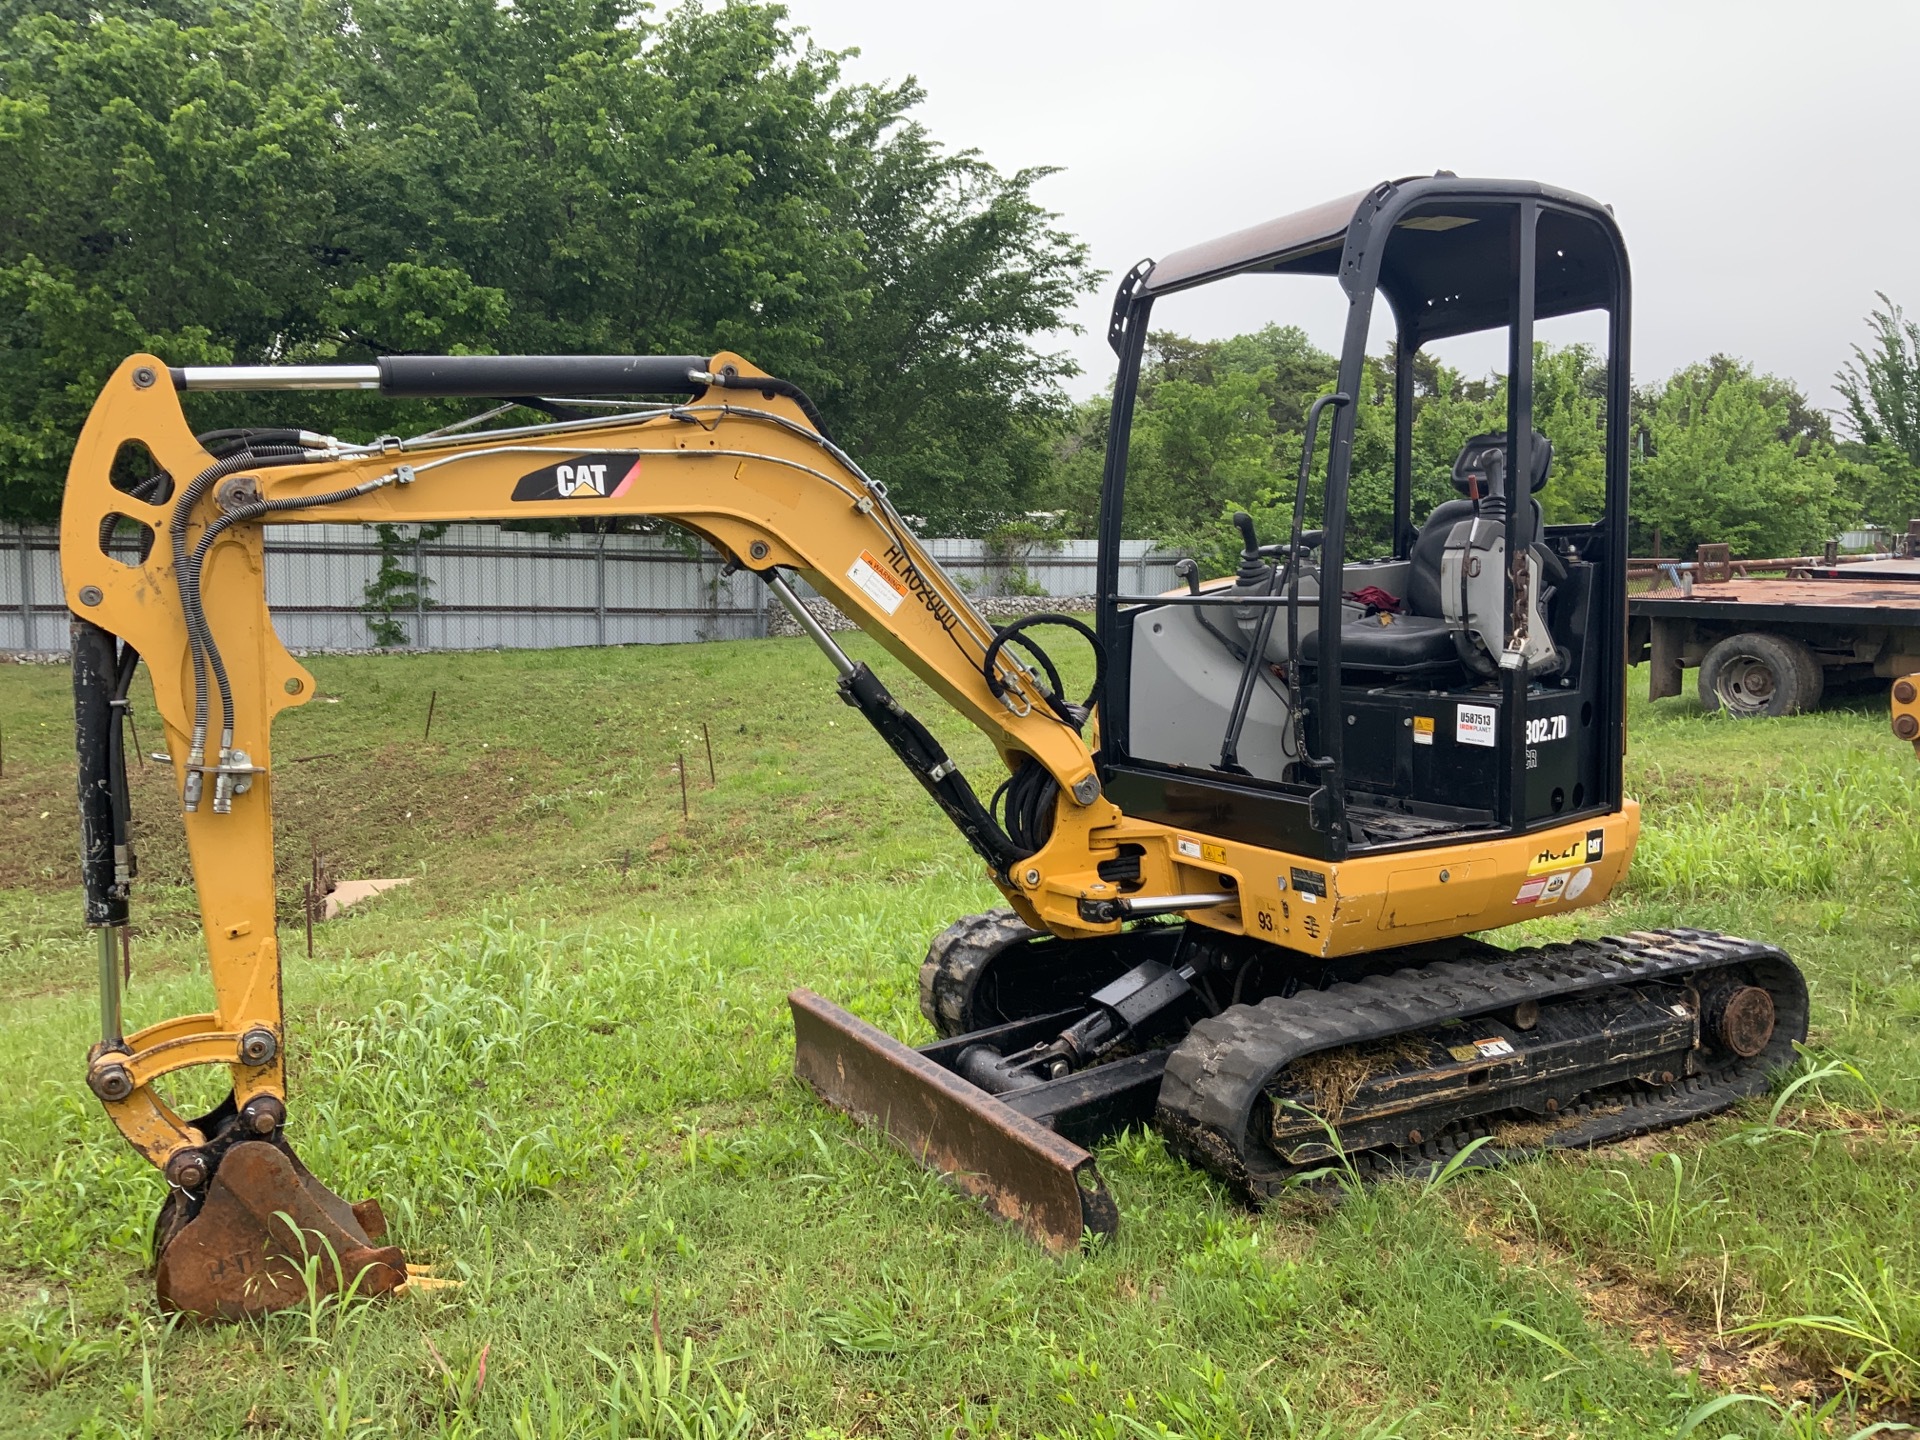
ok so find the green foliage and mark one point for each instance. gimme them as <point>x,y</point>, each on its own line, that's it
<point>1881,390</point>
<point>47,1346</point>
<point>395,589</point>
<point>1218,426</point>
<point>1796,1420</point>
<point>313,180</point>
<point>160,184</point>
<point>1724,453</point>
<point>1727,461</point>
<point>1011,544</point>
<point>1569,408</point>
<point>1197,452</point>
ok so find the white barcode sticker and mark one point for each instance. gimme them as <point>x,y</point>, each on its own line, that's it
<point>1473,725</point>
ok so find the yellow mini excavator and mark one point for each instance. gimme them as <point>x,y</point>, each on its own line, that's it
<point>1244,876</point>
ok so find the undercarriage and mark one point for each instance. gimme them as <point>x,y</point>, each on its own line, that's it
<point>1267,1070</point>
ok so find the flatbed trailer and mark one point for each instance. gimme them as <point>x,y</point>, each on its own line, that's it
<point>1770,647</point>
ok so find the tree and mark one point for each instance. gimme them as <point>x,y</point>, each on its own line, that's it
<point>1197,453</point>
<point>333,180</point>
<point>1881,390</point>
<point>938,387</point>
<point>1724,463</point>
<point>160,187</point>
<point>1218,426</point>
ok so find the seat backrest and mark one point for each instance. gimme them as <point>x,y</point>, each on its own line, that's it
<point>1470,469</point>
<point>1423,580</point>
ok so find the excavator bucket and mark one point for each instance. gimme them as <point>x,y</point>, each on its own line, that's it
<point>1024,1173</point>
<point>266,1235</point>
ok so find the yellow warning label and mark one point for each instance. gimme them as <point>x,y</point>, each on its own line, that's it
<point>1214,854</point>
<point>876,582</point>
<point>1423,729</point>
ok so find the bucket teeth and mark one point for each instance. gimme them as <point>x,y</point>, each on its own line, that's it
<point>267,1236</point>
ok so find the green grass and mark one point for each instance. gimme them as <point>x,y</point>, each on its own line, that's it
<point>562,1060</point>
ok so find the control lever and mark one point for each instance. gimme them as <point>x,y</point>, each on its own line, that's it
<point>1309,541</point>
<point>1254,573</point>
<point>1254,567</point>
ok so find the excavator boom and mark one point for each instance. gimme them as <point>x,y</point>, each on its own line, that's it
<point>742,460</point>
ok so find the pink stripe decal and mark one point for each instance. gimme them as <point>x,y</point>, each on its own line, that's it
<point>621,488</point>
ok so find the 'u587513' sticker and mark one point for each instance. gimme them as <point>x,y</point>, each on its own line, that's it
<point>1473,725</point>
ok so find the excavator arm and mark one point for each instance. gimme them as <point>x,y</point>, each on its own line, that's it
<point>742,461</point>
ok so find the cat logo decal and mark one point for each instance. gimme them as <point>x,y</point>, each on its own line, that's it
<point>605,476</point>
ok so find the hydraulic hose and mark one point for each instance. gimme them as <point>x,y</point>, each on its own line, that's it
<point>731,379</point>
<point>1030,792</point>
<point>1055,699</point>
<point>199,638</point>
<point>192,582</point>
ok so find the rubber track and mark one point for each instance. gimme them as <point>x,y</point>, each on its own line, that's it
<point>1215,1076</point>
<point>955,961</point>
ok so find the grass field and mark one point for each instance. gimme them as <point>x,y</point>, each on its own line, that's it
<point>562,1060</point>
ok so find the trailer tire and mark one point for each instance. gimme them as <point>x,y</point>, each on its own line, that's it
<point>1756,674</point>
<point>1813,676</point>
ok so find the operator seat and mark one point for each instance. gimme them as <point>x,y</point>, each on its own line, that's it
<point>1421,641</point>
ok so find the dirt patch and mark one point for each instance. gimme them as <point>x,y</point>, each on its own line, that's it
<point>19,1292</point>
<point>1654,1323</point>
<point>375,810</point>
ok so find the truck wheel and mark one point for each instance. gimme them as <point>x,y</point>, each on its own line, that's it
<point>1813,675</point>
<point>1757,674</point>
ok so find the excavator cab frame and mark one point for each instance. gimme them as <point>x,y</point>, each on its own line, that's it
<point>1424,753</point>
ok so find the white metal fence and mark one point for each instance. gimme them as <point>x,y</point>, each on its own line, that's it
<point>487,587</point>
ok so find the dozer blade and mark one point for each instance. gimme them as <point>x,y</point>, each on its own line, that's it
<point>1024,1173</point>
<point>266,1236</point>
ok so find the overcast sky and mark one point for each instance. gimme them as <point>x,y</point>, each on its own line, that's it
<point>1760,156</point>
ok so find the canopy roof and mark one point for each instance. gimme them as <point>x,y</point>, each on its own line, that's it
<point>1448,264</point>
